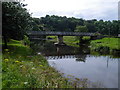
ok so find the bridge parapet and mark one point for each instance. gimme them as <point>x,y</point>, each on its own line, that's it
<point>60,33</point>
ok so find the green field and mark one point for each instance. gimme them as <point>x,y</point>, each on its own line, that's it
<point>112,43</point>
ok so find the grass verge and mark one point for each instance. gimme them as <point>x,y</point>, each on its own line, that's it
<point>21,69</point>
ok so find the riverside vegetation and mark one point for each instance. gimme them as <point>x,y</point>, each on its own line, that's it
<point>107,45</point>
<point>22,69</point>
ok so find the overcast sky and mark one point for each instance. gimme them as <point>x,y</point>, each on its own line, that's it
<point>86,9</point>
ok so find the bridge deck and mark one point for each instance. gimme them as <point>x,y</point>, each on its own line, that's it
<point>53,33</point>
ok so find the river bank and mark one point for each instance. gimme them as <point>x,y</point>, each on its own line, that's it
<point>81,63</point>
<point>22,69</point>
<point>104,46</point>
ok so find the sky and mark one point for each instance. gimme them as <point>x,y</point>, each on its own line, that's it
<point>86,9</point>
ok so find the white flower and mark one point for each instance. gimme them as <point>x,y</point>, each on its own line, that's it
<point>25,82</point>
<point>33,68</point>
<point>31,62</point>
<point>39,53</point>
<point>21,66</point>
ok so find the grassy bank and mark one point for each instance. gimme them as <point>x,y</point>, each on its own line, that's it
<point>112,43</point>
<point>101,46</point>
<point>20,69</point>
<point>106,46</point>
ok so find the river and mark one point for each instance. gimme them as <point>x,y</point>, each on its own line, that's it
<point>78,62</point>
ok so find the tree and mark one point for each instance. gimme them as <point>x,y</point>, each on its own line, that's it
<point>81,29</point>
<point>36,24</point>
<point>90,25</point>
<point>15,21</point>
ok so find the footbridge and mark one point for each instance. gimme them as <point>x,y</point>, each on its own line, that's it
<point>54,33</point>
<point>60,35</point>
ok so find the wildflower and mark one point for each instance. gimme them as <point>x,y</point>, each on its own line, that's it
<point>17,62</point>
<point>41,65</point>
<point>33,68</point>
<point>25,82</point>
<point>6,60</point>
<point>6,50</point>
<point>21,66</point>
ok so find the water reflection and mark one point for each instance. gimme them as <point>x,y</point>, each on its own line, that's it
<point>96,69</point>
<point>78,62</point>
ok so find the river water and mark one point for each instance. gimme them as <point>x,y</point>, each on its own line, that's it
<point>80,63</point>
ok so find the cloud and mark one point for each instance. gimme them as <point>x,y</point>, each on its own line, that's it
<point>87,9</point>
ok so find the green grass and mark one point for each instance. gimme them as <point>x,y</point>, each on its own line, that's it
<point>112,43</point>
<point>21,69</point>
<point>30,72</point>
<point>109,46</point>
<point>69,40</point>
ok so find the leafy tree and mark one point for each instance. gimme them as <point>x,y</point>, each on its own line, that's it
<point>15,21</point>
<point>81,29</point>
<point>36,24</point>
<point>90,25</point>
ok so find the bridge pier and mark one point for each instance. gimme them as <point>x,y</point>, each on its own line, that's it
<point>96,37</point>
<point>80,39</point>
<point>60,40</point>
<point>93,37</point>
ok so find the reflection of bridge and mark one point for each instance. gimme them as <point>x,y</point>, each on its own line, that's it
<point>60,57</point>
<point>78,57</point>
<point>33,34</point>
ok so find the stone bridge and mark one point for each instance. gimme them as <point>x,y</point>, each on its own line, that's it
<point>59,34</point>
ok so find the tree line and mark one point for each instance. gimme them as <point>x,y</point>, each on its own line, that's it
<point>16,20</point>
<point>58,23</point>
